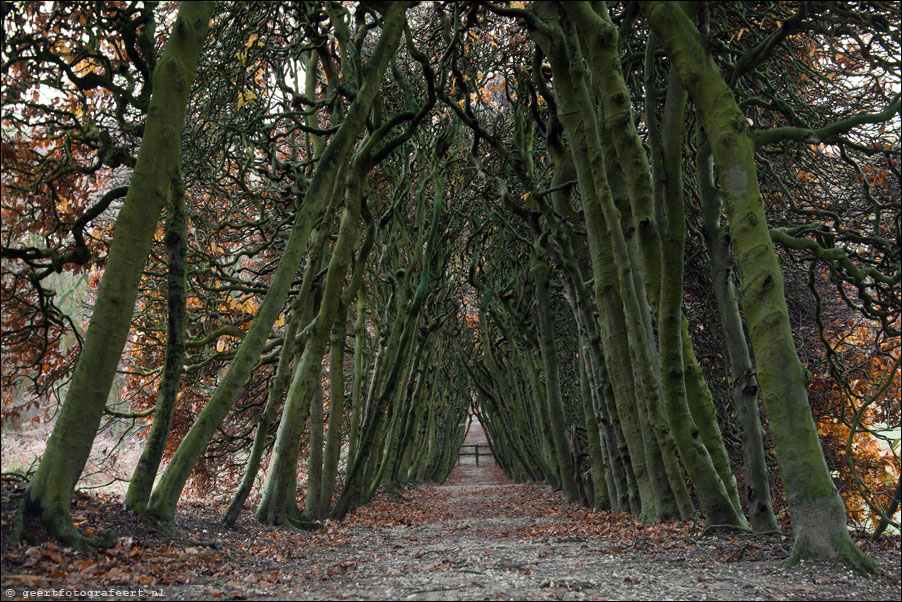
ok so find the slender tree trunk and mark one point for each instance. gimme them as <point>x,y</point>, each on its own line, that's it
<point>315,455</point>
<point>890,511</point>
<point>302,310</point>
<point>177,253</point>
<point>719,508</point>
<point>600,498</point>
<point>336,416</point>
<point>305,381</point>
<point>273,400</point>
<point>743,386</point>
<point>553,397</point>
<point>358,376</point>
<point>355,488</point>
<point>165,496</point>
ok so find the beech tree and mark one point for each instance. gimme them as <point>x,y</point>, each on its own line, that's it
<point>385,218</point>
<point>155,181</point>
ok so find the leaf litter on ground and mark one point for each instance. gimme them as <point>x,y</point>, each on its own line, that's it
<point>478,536</point>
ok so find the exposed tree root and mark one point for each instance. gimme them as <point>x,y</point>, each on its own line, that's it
<point>721,529</point>
<point>304,523</point>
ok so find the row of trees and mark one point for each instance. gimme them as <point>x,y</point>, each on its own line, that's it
<point>381,218</point>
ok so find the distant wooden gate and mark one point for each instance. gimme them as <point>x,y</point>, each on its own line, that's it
<point>487,451</point>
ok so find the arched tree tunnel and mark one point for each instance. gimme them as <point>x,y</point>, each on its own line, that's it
<point>379,220</point>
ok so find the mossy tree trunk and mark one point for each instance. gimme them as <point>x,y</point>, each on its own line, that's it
<point>719,507</point>
<point>176,238</point>
<point>336,154</point>
<point>315,445</point>
<point>817,510</point>
<point>553,399</point>
<point>579,120</point>
<point>154,178</point>
<point>743,385</point>
<point>336,416</point>
<point>273,401</point>
<point>600,496</point>
<point>358,374</point>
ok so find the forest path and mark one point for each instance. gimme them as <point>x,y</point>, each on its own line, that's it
<point>477,537</point>
<point>481,537</point>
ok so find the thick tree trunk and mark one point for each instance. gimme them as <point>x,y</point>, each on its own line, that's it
<point>817,510</point>
<point>156,172</point>
<point>582,130</point>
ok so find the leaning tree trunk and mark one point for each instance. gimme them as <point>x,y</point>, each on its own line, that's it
<point>817,510</point>
<point>600,495</point>
<point>577,115</point>
<point>168,490</point>
<point>315,445</point>
<point>156,173</point>
<point>306,382</point>
<point>273,400</point>
<point>720,509</point>
<point>177,253</point>
<point>550,362</point>
<point>336,415</point>
<point>705,451</point>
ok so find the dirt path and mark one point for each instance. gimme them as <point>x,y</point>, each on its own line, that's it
<point>481,537</point>
<point>476,537</point>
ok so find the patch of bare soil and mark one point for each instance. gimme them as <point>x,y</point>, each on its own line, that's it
<point>477,537</point>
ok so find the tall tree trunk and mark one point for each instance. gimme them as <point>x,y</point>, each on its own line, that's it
<point>580,125</point>
<point>550,361</point>
<point>743,385</point>
<point>156,173</point>
<point>600,498</point>
<point>817,510</point>
<point>315,445</point>
<point>273,401</point>
<point>306,379</point>
<point>358,376</point>
<point>177,253</point>
<point>336,416</point>
<point>167,492</point>
<point>719,507</point>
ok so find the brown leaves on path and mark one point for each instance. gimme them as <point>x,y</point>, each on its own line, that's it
<point>478,536</point>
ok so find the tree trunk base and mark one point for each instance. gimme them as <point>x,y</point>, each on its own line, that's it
<point>841,547</point>
<point>819,538</point>
<point>59,526</point>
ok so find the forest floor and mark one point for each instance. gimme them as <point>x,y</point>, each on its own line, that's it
<point>476,537</point>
